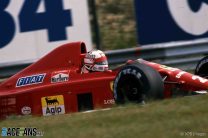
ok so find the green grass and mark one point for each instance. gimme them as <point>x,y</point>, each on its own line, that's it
<point>168,118</point>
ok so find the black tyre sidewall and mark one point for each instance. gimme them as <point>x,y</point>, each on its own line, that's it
<point>201,65</point>
<point>149,80</point>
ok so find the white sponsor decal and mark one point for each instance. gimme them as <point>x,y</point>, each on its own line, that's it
<point>30,80</point>
<point>180,74</point>
<point>60,76</point>
<point>202,80</point>
<point>26,110</point>
<point>110,101</point>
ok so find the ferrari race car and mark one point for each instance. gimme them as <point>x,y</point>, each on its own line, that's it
<point>55,85</point>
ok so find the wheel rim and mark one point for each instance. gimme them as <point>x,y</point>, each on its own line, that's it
<point>130,89</point>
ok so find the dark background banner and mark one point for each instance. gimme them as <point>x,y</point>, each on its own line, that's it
<point>155,23</point>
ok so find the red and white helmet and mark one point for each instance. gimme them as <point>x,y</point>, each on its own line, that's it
<point>95,60</point>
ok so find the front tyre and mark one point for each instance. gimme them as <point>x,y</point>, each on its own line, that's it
<point>136,83</point>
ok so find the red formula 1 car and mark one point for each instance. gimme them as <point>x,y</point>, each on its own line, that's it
<point>55,85</point>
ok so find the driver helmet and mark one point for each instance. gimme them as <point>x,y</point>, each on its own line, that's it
<point>95,60</point>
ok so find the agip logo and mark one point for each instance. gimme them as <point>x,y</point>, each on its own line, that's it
<point>53,105</point>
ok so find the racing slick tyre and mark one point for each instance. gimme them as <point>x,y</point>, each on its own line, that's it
<point>202,67</point>
<point>136,83</point>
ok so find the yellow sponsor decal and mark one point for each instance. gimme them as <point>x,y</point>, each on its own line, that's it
<point>53,105</point>
<point>52,100</point>
<point>168,68</point>
<point>111,85</point>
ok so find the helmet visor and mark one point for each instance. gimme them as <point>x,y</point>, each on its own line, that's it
<point>102,63</point>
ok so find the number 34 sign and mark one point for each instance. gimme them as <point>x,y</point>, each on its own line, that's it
<point>37,23</point>
<point>55,19</point>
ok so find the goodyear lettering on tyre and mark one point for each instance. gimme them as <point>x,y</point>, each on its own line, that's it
<point>128,71</point>
<point>53,105</point>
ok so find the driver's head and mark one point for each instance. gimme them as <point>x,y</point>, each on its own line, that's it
<point>95,60</point>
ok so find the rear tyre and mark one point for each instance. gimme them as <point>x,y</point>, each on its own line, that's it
<point>137,83</point>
